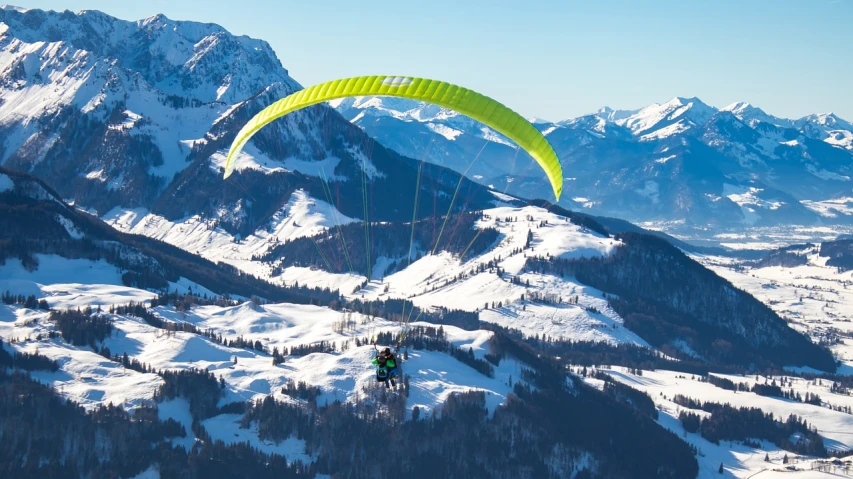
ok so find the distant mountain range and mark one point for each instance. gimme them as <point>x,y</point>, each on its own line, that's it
<point>680,162</point>
<point>125,115</point>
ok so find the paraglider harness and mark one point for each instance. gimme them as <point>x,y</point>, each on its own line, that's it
<point>386,366</point>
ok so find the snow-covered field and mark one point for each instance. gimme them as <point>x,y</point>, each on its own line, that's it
<point>249,374</point>
<point>814,298</point>
<point>301,216</point>
<point>78,283</point>
<point>752,238</point>
<point>739,460</point>
<point>346,374</point>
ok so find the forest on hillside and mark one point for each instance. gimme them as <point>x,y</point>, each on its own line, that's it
<point>665,296</point>
<point>546,428</point>
<point>344,248</point>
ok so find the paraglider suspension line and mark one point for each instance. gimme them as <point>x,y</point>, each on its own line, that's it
<point>328,192</point>
<point>455,193</point>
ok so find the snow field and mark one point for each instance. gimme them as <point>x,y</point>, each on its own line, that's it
<point>424,281</point>
<point>741,461</point>
<point>345,375</point>
<point>814,298</point>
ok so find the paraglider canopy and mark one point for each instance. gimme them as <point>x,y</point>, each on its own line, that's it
<point>465,101</point>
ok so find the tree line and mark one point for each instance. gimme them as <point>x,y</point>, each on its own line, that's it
<point>26,361</point>
<point>47,436</point>
<point>344,248</point>
<point>665,296</point>
<point>727,423</point>
<point>29,302</point>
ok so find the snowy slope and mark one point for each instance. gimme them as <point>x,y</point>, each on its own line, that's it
<point>739,460</point>
<point>831,208</point>
<point>300,216</point>
<point>92,75</point>
<point>432,280</point>
<point>77,283</point>
<point>813,297</point>
<point>93,380</point>
<point>119,115</point>
<point>532,302</point>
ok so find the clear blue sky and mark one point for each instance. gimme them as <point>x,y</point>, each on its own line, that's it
<point>555,58</point>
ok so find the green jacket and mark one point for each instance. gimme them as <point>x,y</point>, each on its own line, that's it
<point>388,364</point>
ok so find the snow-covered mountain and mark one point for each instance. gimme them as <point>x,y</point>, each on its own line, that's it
<point>233,315</point>
<point>139,115</point>
<point>753,115</point>
<point>432,133</point>
<point>112,106</point>
<point>682,162</point>
<point>675,116</point>
<point>137,97</point>
<point>534,269</point>
<point>538,279</point>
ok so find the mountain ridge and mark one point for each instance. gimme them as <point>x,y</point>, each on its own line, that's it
<point>119,114</point>
<point>797,168</point>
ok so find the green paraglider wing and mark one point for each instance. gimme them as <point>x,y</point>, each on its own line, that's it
<point>467,102</point>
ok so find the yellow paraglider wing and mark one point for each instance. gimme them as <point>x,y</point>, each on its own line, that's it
<point>467,102</point>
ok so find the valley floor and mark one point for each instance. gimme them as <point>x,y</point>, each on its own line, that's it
<point>753,237</point>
